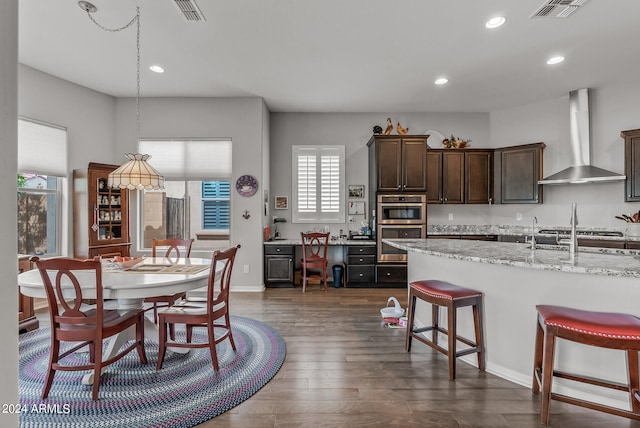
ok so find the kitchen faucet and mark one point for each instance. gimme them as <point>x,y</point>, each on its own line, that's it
<point>573,239</point>
<point>533,233</point>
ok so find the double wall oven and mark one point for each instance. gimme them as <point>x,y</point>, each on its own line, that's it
<point>399,216</point>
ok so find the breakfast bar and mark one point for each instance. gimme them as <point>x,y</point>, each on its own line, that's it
<point>514,279</point>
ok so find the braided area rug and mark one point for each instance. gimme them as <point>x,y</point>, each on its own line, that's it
<point>184,393</point>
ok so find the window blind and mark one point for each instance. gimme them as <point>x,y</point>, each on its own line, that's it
<point>42,148</point>
<point>189,159</point>
<point>318,184</point>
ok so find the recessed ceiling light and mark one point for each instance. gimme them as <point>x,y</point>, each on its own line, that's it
<point>441,81</point>
<point>495,22</point>
<point>555,60</point>
<point>156,69</point>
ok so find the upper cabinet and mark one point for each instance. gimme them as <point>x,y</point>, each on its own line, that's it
<point>460,176</point>
<point>632,164</point>
<point>101,214</point>
<point>400,163</point>
<point>518,169</point>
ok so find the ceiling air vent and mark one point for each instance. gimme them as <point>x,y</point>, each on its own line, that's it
<point>558,8</point>
<point>190,10</point>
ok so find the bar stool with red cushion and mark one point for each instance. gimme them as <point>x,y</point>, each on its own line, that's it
<point>452,297</point>
<point>602,329</point>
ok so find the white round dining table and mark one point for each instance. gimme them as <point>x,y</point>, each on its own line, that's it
<point>153,276</point>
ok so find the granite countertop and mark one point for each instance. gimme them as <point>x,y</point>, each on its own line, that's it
<point>520,230</point>
<point>286,241</point>
<point>594,261</point>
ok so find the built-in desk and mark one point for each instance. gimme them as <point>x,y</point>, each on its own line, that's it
<point>358,257</point>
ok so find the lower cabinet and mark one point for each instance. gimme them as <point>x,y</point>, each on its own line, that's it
<point>361,260</point>
<point>391,275</point>
<point>278,265</point>
<point>27,320</point>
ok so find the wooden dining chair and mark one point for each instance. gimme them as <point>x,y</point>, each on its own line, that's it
<point>314,255</point>
<point>214,315</point>
<point>63,279</point>
<point>181,248</point>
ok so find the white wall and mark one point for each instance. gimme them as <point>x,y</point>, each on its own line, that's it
<point>354,131</point>
<point>89,117</point>
<point>8,231</point>
<point>241,120</point>
<point>613,109</point>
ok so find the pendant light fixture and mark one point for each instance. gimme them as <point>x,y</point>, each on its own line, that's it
<point>137,173</point>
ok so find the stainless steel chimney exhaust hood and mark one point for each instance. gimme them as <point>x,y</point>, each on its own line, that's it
<point>581,171</point>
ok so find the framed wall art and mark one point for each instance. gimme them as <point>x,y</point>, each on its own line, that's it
<point>281,202</point>
<point>356,190</point>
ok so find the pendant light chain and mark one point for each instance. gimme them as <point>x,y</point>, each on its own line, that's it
<point>135,19</point>
<point>136,173</point>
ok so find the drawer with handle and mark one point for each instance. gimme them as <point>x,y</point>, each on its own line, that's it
<point>278,249</point>
<point>353,250</point>
<point>361,260</point>
<point>395,274</point>
<point>364,273</point>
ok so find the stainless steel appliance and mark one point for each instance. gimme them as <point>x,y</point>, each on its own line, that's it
<point>402,209</point>
<point>399,216</point>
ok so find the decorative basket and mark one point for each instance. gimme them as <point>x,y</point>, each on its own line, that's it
<point>394,311</point>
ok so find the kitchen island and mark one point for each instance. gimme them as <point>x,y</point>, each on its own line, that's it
<point>514,279</point>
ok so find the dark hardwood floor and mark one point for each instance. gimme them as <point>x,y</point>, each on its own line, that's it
<point>344,368</point>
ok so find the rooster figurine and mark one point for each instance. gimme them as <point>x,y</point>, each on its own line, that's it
<point>389,127</point>
<point>401,130</point>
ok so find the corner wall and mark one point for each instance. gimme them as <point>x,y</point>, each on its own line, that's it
<point>241,120</point>
<point>8,231</point>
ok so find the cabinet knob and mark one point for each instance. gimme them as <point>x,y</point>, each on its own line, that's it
<point>361,249</point>
<point>388,273</point>
<point>361,259</point>
<point>361,275</point>
<point>446,199</point>
<point>277,250</point>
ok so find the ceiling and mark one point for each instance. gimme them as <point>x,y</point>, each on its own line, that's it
<point>337,55</point>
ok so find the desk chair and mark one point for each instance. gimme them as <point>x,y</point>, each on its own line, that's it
<point>214,315</point>
<point>173,245</point>
<point>314,255</point>
<point>87,326</point>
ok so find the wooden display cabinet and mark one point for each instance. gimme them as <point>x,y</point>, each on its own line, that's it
<point>101,214</point>
<point>27,320</point>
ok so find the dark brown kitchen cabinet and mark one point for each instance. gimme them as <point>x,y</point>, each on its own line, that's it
<point>400,163</point>
<point>434,177</point>
<point>361,261</point>
<point>278,265</point>
<point>453,177</point>
<point>632,164</point>
<point>518,169</point>
<point>459,176</point>
<point>478,176</point>
<point>101,214</point>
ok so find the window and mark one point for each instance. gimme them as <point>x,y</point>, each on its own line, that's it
<point>195,202</point>
<point>42,166</point>
<point>216,207</point>
<point>318,184</point>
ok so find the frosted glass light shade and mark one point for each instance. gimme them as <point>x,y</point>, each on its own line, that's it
<point>136,174</point>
